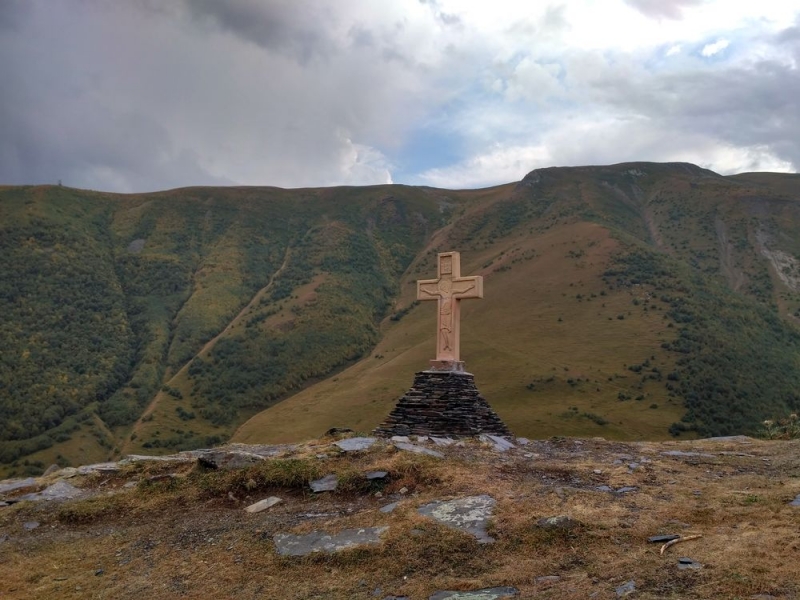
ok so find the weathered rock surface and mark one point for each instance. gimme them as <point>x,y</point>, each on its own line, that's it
<point>626,589</point>
<point>263,504</point>
<point>442,403</point>
<point>685,454</point>
<point>442,441</point>
<point>417,449</point>
<point>562,522</point>
<point>17,484</point>
<point>470,514</point>
<point>498,443</point>
<point>324,484</point>
<point>495,593</point>
<point>106,467</point>
<point>288,544</point>
<point>796,501</point>
<point>356,444</point>
<point>60,490</point>
<point>228,459</point>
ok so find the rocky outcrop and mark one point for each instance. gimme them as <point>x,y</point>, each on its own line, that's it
<point>442,403</point>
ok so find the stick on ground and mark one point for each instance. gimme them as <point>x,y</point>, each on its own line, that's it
<point>679,540</point>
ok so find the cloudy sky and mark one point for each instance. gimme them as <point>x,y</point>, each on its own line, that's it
<point>141,95</point>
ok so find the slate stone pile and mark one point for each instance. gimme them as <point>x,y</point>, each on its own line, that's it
<point>442,403</point>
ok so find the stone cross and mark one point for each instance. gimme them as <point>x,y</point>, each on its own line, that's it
<point>449,289</point>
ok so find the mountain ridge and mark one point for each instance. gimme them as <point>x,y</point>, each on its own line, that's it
<point>180,265</point>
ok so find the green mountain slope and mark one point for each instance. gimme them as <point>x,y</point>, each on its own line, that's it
<point>625,301</point>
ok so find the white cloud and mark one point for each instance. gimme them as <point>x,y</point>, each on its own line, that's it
<point>499,165</point>
<point>714,48</point>
<point>135,96</point>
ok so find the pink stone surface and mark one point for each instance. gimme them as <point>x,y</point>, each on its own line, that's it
<point>448,289</point>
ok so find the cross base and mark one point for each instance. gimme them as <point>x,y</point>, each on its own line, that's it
<point>454,366</point>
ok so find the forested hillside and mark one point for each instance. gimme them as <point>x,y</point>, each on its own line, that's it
<point>633,301</point>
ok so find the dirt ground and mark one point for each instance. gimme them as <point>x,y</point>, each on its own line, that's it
<point>177,530</point>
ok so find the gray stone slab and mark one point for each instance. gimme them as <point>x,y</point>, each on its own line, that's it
<point>662,539</point>
<point>288,544</point>
<point>60,490</point>
<point>687,563</point>
<point>442,441</point>
<point>681,453</point>
<point>626,589</point>
<point>743,439</point>
<point>389,507</point>
<point>400,438</point>
<point>30,525</point>
<point>626,490</point>
<point>229,459</point>
<point>181,458</point>
<point>356,444</point>
<point>495,593</point>
<point>16,484</point>
<point>372,475</point>
<point>325,484</point>
<point>106,467</point>
<point>499,444</point>
<point>263,504</point>
<point>470,514</point>
<point>796,501</point>
<point>417,449</point>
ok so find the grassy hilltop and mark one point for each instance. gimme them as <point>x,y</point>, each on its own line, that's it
<point>633,302</point>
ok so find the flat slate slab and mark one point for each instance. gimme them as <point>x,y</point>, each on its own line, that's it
<point>10,486</point>
<point>263,504</point>
<point>356,444</point>
<point>417,449</point>
<point>691,454</point>
<point>500,444</point>
<point>106,467</point>
<point>495,593</point>
<point>796,501</point>
<point>442,441</point>
<point>288,544</point>
<point>228,459</point>
<point>469,514</point>
<point>60,490</point>
<point>326,484</point>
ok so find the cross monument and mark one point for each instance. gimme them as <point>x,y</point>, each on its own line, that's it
<point>448,289</point>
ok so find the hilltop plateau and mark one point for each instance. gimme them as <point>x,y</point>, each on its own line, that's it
<point>558,518</point>
<point>638,301</point>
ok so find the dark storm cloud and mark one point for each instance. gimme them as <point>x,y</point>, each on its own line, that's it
<point>293,27</point>
<point>670,9</point>
<point>63,114</point>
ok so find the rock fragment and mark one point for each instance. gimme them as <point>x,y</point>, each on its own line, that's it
<point>356,444</point>
<point>470,514</point>
<point>495,593</point>
<point>288,544</point>
<point>626,589</point>
<point>263,504</point>
<point>417,449</point>
<point>325,484</point>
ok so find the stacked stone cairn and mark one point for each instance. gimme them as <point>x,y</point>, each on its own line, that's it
<point>443,403</point>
